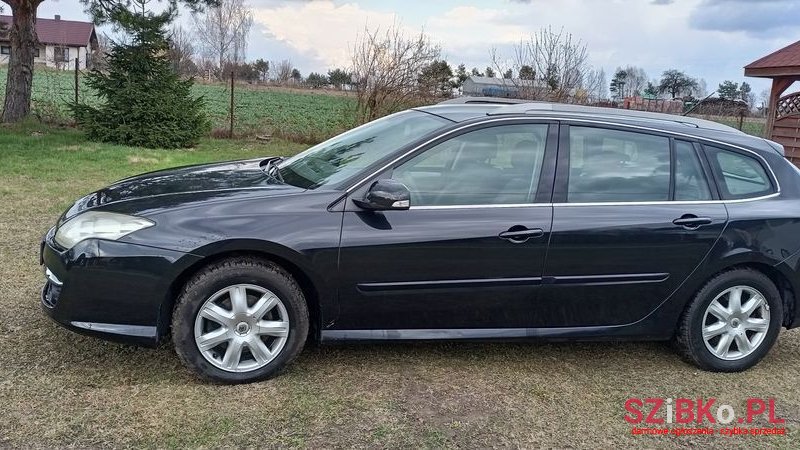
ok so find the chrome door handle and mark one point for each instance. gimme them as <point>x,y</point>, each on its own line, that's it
<point>691,221</point>
<point>521,235</point>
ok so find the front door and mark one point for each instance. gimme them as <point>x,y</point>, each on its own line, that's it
<point>469,252</point>
<point>634,216</point>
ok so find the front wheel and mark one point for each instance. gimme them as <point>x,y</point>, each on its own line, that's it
<point>732,322</point>
<point>240,320</point>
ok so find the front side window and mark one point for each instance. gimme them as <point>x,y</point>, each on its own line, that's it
<point>690,180</point>
<point>617,166</point>
<point>349,153</point>
<point>491,166</point>
<point>738,175</point>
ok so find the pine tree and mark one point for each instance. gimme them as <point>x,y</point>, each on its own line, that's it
<point>143,102</point>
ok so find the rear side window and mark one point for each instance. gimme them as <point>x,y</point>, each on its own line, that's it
<point>690,180</point>
<point>617,166</point>
<point>738,176</point>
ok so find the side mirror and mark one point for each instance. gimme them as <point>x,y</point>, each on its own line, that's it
<point>385,195</point>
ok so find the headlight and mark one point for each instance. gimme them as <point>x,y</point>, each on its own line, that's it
<point>100,225</point>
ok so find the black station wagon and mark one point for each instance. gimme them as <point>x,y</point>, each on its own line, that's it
<point>463,220</point>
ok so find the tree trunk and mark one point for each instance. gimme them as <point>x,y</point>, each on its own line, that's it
<point>20,66</point>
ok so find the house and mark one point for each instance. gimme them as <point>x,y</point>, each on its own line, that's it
<point>60,42</point>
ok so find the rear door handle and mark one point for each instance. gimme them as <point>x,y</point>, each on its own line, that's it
<point>691,221</point>
<point>518,235</point>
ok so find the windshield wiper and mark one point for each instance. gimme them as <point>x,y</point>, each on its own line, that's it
<point>270,167</point>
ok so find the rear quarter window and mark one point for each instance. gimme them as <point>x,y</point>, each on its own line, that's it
<point>738,175</point>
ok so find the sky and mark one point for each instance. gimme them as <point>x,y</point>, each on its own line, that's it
<point>708,39</point>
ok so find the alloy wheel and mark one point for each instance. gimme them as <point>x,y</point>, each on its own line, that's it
<point>241,328</point>
<point>736,322</point>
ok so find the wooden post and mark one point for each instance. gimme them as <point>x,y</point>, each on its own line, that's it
<point>76,80</point>
<point>741,119</point>
<point>230,132</point>
<point>779,85</point>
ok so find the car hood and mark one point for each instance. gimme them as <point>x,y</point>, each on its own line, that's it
<point>193,183</point>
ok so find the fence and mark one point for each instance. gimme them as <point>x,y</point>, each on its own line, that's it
<point>53,91</point>
<point>240,109</point>
<point>300,115</point>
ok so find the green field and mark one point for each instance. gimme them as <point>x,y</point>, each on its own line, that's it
<point>298,115</point>
<point>750,125</point>
<point>301,116</point>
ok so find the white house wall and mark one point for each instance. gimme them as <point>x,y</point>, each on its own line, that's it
<point>47,57</point>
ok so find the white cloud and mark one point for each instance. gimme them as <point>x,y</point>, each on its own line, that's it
<point>321,29</point>
<point>469,25</point>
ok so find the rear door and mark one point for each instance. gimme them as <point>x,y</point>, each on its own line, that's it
<point>634,214</point>
<point>469,253</point>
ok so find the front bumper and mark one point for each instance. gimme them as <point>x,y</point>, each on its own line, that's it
<point>110,289</point>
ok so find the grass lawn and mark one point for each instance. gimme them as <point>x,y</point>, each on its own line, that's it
<point>60,389</point>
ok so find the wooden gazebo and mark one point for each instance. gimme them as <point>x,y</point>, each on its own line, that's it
<point>783,113</point>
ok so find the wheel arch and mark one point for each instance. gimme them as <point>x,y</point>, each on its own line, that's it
<point>781,280</point>
<point>309,282</point>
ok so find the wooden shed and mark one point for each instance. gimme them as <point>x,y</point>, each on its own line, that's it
<point>783,113</point>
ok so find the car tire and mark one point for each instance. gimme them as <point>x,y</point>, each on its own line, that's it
<point>716,338</point>
<point>217,290</point>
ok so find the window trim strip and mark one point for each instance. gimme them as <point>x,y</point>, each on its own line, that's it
<point>564,121</point>
<point>561,204</point>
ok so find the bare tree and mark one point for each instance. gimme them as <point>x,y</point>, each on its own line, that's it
<point>181,51</point>
<point>635,80</point>
<point>595,85</point>
<point>222,31</point>
<point>677,83</point>
<point>763,101</point>
<point>701,89</point>
<point>282,70</point>
<point>386,67</point>
<point>558,62</point>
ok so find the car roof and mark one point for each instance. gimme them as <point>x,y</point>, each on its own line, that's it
<point>468,108</point>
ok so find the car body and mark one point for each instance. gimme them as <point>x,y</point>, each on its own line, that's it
<point>579,222</point>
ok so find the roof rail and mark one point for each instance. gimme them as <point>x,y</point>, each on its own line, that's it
<point>482,101</point>
<point>561,108</point>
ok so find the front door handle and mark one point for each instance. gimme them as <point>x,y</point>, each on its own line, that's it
<point>691,222</point>
<point>519,234</point>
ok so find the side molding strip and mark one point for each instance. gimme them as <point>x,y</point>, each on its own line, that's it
<point>448,284</point>
<point>463,333</point>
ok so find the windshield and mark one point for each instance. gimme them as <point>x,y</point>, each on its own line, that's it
<point>345,155</point>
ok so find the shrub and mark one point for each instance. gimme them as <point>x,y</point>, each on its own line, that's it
<point>142,100</point>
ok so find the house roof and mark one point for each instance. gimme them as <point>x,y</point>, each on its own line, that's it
<point>785,61</point>
<point>63,32</point>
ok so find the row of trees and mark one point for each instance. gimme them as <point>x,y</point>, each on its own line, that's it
<point>633,81</point>
<point>388,69</point>
<point>391,69</point>
<point>730,90</point>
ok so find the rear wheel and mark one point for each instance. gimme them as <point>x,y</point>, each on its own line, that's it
<point>732,322</point>
<point>240,320</point>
